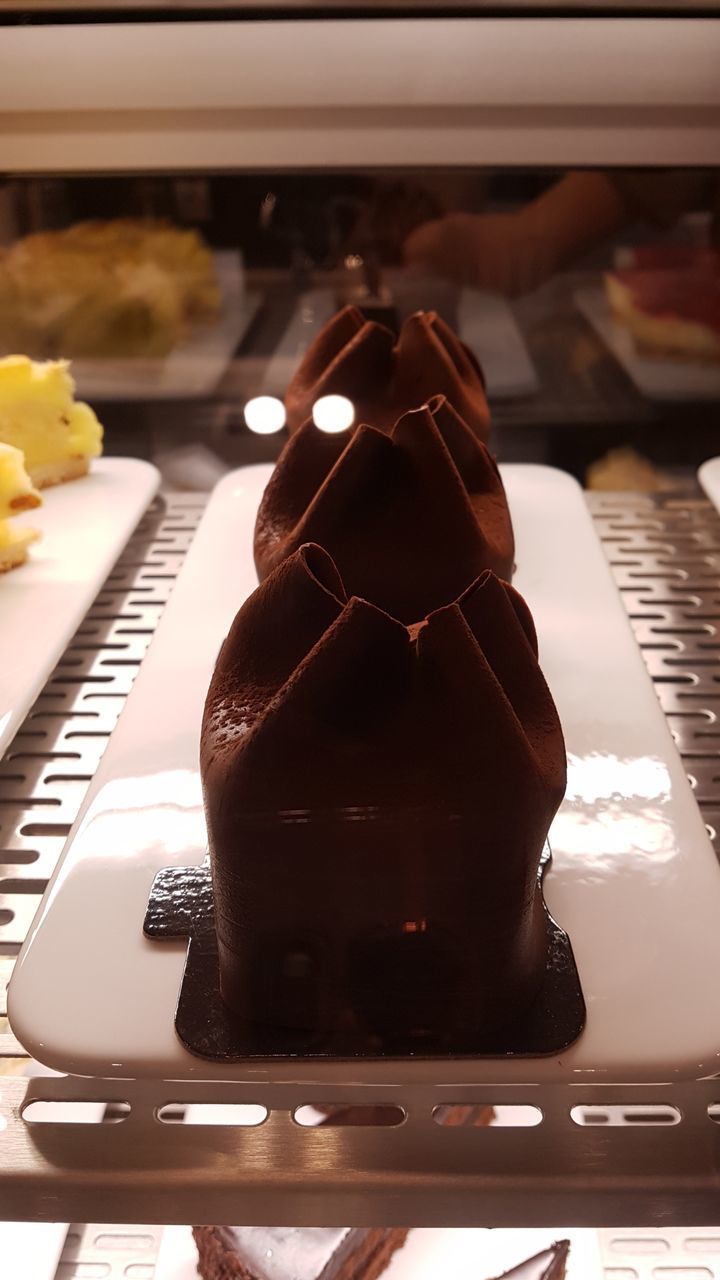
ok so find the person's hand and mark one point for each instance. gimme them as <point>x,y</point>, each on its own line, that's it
<point>490,250</point>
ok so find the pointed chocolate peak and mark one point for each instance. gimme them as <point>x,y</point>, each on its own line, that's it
<point>410,517</point>
<point>356,358</point>
<point>349,355</point>
<point>430,360</point>
<point>551,1264</point>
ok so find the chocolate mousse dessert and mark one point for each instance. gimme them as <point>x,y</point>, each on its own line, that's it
<point>361,360</point>
<point>410,518</point>
<point>377,798</point>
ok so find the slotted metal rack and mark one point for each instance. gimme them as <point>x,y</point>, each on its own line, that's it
<point>600,1154</point>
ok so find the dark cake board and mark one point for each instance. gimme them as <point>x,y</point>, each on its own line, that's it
<point>634,880</point>
<point>181,905</point>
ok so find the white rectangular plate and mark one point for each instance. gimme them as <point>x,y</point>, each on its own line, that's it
<point>194,367</point>
<point>430,1253</point>
<point>657,379</point>
<point>485,323</point>
<point>709,477</point>
<point>85,525</point>
<point>32,1249</point>
<point>634,879</point>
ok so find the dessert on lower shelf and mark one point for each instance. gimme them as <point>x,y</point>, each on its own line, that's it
<point>123,287</point>
<point>17,494</point>
<point>361,360</point>
<point>551,1264</point>
<point>39,415</point>
<point>626,469</point>
<point>378,798</point>
<point>410,518</point>
<point>330,1253</point>
<point>670,303</point>
<point>296,1253</point>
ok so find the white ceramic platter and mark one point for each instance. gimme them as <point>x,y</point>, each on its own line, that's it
<point>709,477</point>
<point>487,325</point>
<point>194,367</point>
<point>634,879</point>
<point>484,322</point>
<point>85,525</point>
<point>430,1253</point>
<point>656,379</point>
<point>31,1250</point>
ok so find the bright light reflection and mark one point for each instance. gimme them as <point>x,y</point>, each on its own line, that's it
<point>333,414</point>
<point>264,415</point>
<point>159,810</point>
<point>605,777</point>
<point>639,840</point>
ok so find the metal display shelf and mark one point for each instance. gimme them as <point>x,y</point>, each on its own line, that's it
<point>598,1155</point>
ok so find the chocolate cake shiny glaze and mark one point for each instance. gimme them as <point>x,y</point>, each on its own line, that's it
<point>361,360</point>
<point>295,1253</point>
<point>410,518</point>
<point>377,800</point>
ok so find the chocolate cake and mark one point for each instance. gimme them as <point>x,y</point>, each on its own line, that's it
<point>295,1253</point>
<point>410,518</point>
<point>329,1253</point>
<point>377,800</point>
<point>551,1264</point>
<point>361,360</point>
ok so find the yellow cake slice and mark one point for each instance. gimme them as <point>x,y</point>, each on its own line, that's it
<point>16,494</point>
<point>125,288</point>
<point>14,543</point>
<point>39,415</point>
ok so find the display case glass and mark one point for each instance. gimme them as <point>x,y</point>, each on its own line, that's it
<point>590,297</point>
<point>189,194</point>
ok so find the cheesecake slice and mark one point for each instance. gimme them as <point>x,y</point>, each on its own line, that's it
<point>40,416</point>
<point>670,304</point>
<point>17,494</point>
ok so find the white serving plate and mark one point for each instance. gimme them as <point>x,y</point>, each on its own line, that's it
<point>85,525</point>
<point>634,879</point>
<point>485,323</point>
<point>656,379</point>
<point>431,1253</point>
<point>194,367</point>
<point>709,477</point>
<point>31,1250</point>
